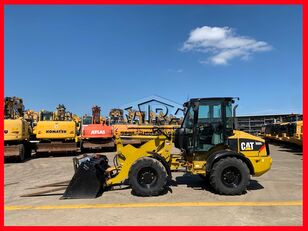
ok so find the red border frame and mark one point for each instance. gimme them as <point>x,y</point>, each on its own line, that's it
<point>150,2</point>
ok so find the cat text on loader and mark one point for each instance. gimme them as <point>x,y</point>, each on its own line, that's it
<point>16,129</point>
<point>210,148</point>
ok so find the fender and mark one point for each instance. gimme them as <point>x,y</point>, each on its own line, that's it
<point>163,161</point>
<point>216,156</point>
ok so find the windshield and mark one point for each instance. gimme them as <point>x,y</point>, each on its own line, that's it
<point>87,120</point>
<point>46,116</point>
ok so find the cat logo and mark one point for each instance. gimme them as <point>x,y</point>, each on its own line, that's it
<point>247,146</point>
<point>98,132</point>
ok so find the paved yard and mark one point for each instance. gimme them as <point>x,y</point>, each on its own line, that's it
<point>272,199</point>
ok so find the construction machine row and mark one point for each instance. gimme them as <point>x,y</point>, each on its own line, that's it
<point>287,132</point>
<point>210,145</point>
<point>61,131</point>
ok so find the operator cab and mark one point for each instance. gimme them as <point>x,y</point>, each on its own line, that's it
<point>208,122</point>
<point>46,115</point>
<point>86,120</point>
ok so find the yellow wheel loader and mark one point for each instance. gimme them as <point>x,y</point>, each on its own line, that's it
<point>16,129</point>
<point>210,146</point>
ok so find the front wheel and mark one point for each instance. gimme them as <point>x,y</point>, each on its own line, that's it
<point>230,176</point>
<point>205,178</point>
<point>147,177</point>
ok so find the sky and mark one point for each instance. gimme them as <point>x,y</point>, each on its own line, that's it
<point>114,55</point>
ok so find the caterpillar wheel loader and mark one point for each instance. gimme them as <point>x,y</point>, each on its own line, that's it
<point>210,145</point>
<point>16,129</point>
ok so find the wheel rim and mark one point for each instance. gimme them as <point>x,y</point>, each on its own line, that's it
<point>147,177</point>
<point>231,177</point>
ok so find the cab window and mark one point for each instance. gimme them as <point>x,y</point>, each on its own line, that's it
<point>189,119</point>
<point>204,112</point>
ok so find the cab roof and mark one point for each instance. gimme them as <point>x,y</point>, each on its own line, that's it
<point>210,99</point>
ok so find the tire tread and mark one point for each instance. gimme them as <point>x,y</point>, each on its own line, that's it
<point>217,185</point>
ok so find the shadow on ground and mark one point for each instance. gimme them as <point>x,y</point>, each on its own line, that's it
<point>285,147</point>
<point>197,183</point>
<point>14,159</point>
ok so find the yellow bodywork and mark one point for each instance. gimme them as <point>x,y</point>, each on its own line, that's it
<point>16,130</point>
<point>55,130</point>
<point>244,135</point>
<point>261,164</point>
<point>260,160</point>
<point>128,154</point>
<point>297,137</point>
<point>141,130</point>
<point>127,131</point>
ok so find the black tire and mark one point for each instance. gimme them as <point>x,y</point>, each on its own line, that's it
<point>28,150</point>
<point>147,177</point>
<point>230,176</point>
<point>82,150</point>
<point>205,178</point>
<point>21,152</point>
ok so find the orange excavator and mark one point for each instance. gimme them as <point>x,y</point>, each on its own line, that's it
<point>95,133</point>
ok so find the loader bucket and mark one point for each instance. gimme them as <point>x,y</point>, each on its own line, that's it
<point>89,178</point>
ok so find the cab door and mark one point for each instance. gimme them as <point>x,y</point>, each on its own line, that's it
<point>184,137</point>
<point>209,130</point>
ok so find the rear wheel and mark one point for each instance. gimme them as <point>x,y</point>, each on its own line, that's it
<point>28,151</point>
<point>230,176</point>
<point>147,177</point>
<point>21,152</point>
